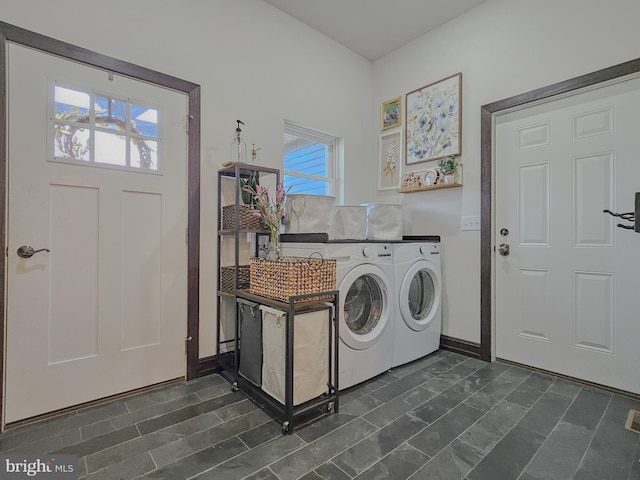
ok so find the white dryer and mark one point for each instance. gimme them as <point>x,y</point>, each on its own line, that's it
<point>418,318</point>
<point>364,279</point>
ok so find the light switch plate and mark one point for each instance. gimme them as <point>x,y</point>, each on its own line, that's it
<point>470,223</point>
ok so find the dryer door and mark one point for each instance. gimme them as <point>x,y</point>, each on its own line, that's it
<point>420,295</point>
<point>364,301</point>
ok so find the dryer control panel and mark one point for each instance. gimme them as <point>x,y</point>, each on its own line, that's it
<point>429,249</point>
<point>376,250</point>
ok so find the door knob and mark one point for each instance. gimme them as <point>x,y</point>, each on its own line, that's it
<point>503,249</point>
<point>27,251</point>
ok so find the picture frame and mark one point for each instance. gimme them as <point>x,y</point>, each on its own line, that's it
<point>391,114</point>
<point>434,121</point>
<point>389,160</point>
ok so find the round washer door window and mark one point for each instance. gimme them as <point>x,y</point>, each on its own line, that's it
<point>363,305</point>
<point>364,301</point>
<point>420,295</point>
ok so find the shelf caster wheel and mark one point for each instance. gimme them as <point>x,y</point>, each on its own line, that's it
<point>285,428</point>
<point>234,387</point>
<point>329,407</point>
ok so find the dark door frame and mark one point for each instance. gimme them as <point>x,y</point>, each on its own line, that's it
<point>488,113</point>
<point>11,33</point>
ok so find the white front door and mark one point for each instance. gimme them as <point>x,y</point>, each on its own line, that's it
<point>104,310</point>
<point>567,293</point>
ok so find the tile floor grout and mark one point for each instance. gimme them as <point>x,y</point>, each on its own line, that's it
<point>549,435</point>
<point>403,394</point>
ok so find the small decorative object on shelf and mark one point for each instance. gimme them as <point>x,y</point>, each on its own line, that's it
<point>238,147</point>
<point>432,178</point>
<point>448,167</point>
<point>271,214</point>
<point>411,180</point>
<point>254,153</point>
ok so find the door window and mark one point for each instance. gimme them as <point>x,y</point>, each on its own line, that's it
<point>421,295</point>
<point>102,130</point>
<point>363,305</point>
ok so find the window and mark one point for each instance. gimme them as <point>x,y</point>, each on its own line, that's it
<point>309,161</point>
<point>103,130</point>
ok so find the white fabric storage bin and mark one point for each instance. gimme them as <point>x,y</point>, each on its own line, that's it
<point>310,354</point>
<point>384,221</point>
<point>349,223</point>
<point>308,213</point>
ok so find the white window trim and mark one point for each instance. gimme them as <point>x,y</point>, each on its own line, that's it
<point>332,142</point>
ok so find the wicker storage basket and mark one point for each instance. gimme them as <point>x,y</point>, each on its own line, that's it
<point>291,276</point>
<point>228,278</point>
<point>248,221</point>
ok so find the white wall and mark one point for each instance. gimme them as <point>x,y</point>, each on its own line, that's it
<point>503,48</point>
<point>253,62</point>
<point>257,64</point>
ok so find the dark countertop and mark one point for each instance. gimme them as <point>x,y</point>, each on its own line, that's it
<point>324,238</point>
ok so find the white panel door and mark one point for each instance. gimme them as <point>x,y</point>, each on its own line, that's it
<point>567,293</point>
<point>104,311</point>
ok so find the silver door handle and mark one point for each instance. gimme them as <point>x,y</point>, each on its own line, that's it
<point>27,251</point>
<point>503,249</point>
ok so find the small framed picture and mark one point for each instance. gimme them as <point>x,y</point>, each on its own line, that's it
<point>389,161</point>
<point>391,114</point>
<point>431,177</point>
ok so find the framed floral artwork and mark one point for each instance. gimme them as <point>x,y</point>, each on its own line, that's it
<point>434,121</point>
<point>389,161</point>
<point>391,114</point>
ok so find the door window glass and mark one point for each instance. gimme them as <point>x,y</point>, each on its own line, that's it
<point>421,295</point>
<point>103,130</point>
<point>363,305</point>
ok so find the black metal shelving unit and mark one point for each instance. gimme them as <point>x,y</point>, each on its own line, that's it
<point>235,276</point>
<point>294,416</point>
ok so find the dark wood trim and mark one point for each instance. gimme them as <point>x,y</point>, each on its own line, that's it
<point>94,59</point>
<point>193,245</point>
<point>486,192</point>
<point>208,365</point>
<point>11,33</point>
<point>3,210</point>
<point>487,113</point>
<point>457,345</point>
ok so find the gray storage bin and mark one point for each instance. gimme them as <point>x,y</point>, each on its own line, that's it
<point>250,356</point>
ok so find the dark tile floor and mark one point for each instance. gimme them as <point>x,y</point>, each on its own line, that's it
<point>444,417</point>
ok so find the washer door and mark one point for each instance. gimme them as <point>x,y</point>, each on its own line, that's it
<point>420,295</point>
<point>364,306</point>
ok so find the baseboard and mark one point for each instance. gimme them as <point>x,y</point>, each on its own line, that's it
<point>207,366</point>
<point>457,345</point>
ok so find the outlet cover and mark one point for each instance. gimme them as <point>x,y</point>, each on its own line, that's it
<point>470,223</point>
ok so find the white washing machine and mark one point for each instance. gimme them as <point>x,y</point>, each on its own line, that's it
<point>364,278</point>
<point>418,319</point>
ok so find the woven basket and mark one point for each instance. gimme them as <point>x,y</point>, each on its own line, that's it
<point>228,278</point>
<point>291,276</point>
<point>248,221</point>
